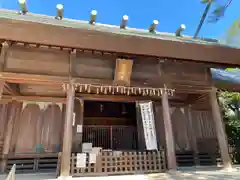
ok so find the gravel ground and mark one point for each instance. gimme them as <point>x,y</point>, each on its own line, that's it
<point>195,174</point>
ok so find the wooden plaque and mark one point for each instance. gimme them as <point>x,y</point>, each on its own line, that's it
<point>123,71</point>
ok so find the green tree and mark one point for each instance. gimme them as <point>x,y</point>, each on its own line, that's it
<point>233,33</point>
<point>230,103</point>
<point>220,7</point>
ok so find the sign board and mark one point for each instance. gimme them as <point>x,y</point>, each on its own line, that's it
<point>148,122</point>
<point>81,160</point>
<point>79,128</point>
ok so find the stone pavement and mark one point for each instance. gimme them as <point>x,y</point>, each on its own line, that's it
<point>186,174</point>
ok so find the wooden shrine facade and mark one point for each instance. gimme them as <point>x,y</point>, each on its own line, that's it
<point>44,87</point>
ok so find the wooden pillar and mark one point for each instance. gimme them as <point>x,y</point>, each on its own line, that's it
<point>170,147</point>
<point>220,130</point>
<point>81,122</point>
<point>67,134</point>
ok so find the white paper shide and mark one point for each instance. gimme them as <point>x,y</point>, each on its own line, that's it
<point>148,125</point>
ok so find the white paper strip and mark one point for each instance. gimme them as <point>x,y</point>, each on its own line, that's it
<point>74,117</point>
<point>92,158</point>
<point>81,160</point>
<point>148,125</point>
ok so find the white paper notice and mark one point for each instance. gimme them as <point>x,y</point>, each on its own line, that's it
<point>148,125</point>
<point>87,147</point>
<point>92,158</point>
<point>79,128</point>
<point>81,160</point>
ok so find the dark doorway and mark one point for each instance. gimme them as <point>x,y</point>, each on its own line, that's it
<point>110,125</point>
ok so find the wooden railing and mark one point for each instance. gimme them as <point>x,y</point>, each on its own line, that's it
<point>11,174</point>
<point>112,163</point>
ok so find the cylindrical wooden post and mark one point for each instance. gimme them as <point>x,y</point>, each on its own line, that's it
<point>220,130</point>
<point>171,157</point>
<point>81,122</point>
<point>67,134</point>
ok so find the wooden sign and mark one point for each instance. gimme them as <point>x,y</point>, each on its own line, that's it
<point>123,71</point>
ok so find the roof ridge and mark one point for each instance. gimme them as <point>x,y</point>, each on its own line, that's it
<point>74,23</point>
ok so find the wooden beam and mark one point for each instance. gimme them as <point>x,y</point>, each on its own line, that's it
<point>2,82</point>
<point>33,78</point>
<point>12,89</point>
<point>34,98</point>
<point>22,78</point>
<point>116,98</point>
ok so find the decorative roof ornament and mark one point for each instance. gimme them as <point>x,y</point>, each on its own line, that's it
<point>93,17</point>
<point>153,26</point>
<point>124,21</point>
<point>180,29</point>
<point>59,14</point>
<point>23,7</point>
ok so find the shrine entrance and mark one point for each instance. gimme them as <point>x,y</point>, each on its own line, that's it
<point>110,125</point>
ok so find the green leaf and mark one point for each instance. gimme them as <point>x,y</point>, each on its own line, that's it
<point>205,1</point>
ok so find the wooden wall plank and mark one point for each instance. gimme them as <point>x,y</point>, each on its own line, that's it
<point>188,130</point>
<point>87,65</point>
<point>36,60</point>
<point>51,128</point>
<point>3,123</point>
<point>160,131</point>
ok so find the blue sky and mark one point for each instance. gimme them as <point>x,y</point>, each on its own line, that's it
<point>170,13</point>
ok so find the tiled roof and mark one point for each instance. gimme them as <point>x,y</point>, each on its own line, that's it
<point>71,23</point>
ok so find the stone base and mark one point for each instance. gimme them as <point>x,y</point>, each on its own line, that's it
<point>64,178</point>
<point>229,169</point>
